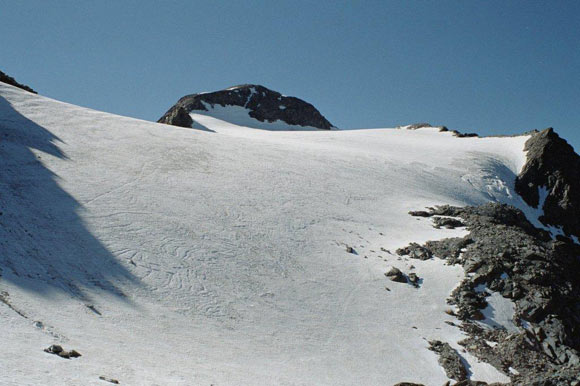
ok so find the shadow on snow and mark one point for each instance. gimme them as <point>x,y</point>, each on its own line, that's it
<point>44,244</point>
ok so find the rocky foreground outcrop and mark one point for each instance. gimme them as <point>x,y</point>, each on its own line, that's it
<point>504,253</point>
<point>263,104</point>
<point>11,81</point>
<point>552,165</point>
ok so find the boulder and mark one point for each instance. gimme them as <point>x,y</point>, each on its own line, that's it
<point>395,274</point>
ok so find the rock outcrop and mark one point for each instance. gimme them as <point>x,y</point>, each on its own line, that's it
<point>10,80</point>
<point>263,104</point>
<point>552,165</point>
<point>449,359</point>
<point>442,129</point>
<point>506,254</point>
<point>177,117</point>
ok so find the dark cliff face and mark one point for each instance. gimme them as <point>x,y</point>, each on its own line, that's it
<point>263,104</point>
<point>553,164</point>
<point>9,80</point>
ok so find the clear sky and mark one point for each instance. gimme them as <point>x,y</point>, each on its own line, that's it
<point>494,67</point>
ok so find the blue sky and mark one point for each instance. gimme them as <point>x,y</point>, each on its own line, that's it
<point>494,67</point>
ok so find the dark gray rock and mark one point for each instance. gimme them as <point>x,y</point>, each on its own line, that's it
<point>178,117</point>
<point>110,380</point>
<point>447,222</point>
<point>415,251</point>
<point>464,135</point>
<point>10,80</point>
<point>420,213</point>
<point>263,104</point>
<point>408,384</point>
<point>449,249</point>
<point>58,350</point>
<point>395,274</point>
<point>414,280</point>
<point>54,349</point>
<point>507,254</point>
<point>416,126</point>
<point>552,164</point>
<point>449,359</point>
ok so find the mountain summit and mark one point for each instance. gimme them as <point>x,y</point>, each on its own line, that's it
<point>261,103</point>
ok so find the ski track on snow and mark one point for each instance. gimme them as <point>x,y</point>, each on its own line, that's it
<point>219,257</point>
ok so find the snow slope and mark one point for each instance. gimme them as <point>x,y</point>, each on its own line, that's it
<point>172,256</point>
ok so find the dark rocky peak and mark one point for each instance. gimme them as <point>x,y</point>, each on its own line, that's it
<point>263,104</point>
<point>10,80</point>
<point>553,165</point>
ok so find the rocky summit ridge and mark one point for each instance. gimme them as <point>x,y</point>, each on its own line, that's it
<point>11,81</point>
<point>263,104</point>
<point>554,167</point>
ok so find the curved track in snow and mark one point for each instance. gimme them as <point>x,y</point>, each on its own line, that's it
<point>219,257</point>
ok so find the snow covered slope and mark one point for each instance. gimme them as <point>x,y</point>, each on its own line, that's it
<point>174,256</point>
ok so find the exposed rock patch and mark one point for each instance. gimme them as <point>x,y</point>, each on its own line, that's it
<point>263,104</point>
<point>449,359</point>
<point>415,251</point>
<point>505,253</point>
<point>553,165</point>
<point>416,126</point>
<point>110,380</point>
<point>178,117</point>
<point>11,81</point>
<point>58,350</point>
<point>446,222</point>
<point>395,274</point>
<point>442,129</point>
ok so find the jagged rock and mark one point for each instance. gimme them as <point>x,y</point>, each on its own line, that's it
<point>449,249</point>
<point>414,280</point>
<point>415,251</point>
<point>449,359</point>
<point>54,349</point>
<point>552,164</point>
<point>10,80</point>
<point>110,380</point>
<point>350,249</point>
<point>395,274</point>
<point>420,213</point>
<point>447,222</point>
<point>469,301</point>
<point>263,104</point>
<point>58,350</point>
<point>416,126</point>
<point>507,254</point>
<point>178,117</point>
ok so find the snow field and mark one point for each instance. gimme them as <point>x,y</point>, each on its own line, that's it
<point>218,256</point>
